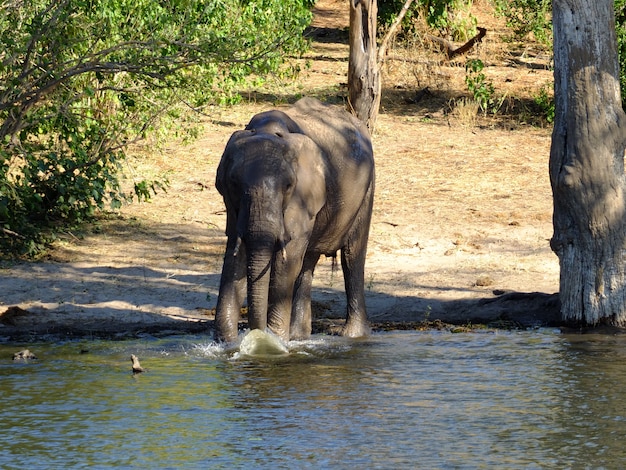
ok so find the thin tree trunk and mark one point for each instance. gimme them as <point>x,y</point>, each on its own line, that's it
<point>587,164</point>
<point>363,72</point>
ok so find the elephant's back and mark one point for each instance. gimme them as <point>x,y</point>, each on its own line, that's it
<point>338,133</point>
<point>347,146</point>
<point>273,122</point>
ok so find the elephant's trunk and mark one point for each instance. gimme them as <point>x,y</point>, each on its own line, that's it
<point>261,226</point>
<point>260,251</point>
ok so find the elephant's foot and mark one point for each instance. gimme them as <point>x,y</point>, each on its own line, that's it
<point>279,331</point>
<point>356,329</point>
<point>226,327</point>
<point>300,331</point>
<point>300,335</point>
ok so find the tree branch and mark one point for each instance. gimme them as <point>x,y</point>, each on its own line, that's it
<point>391,32</point>
<point>11,233</point>
<point>450,51</point>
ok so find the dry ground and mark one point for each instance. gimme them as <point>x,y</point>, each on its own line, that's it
<point>460,229</point>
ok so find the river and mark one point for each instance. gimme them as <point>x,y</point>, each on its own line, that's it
<point>432,400</point>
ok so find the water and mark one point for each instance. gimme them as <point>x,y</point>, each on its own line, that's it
<point>533,399</point>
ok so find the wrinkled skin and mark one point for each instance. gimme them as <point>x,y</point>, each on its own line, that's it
<point>297,184</point>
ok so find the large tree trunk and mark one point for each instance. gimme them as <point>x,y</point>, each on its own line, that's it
<point>363,70</point>
<point>587,164</point>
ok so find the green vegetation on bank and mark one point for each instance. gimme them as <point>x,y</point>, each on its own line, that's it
<point>82,79</point>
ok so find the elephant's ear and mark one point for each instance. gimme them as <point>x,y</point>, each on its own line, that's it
<point>228,157</point>
<point>309,194</point>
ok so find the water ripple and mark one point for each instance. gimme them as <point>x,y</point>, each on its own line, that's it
<point>532,399</point>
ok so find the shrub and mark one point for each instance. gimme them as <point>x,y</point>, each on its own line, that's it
<point>80,80</point>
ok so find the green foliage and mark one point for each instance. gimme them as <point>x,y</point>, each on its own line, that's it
<point>620,30</point>
<point>545,102</point>
<point>477,84</point>
<point>451,18</point>
<point>389,9</point>
<point>528,16</point>
<point>80,80</point>
<point>535,16</point>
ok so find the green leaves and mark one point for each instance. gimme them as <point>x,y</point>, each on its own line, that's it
<point>477,84</point>
<point>450,17</point>
<point>620,31</point>
<point>528,16</point>
<point>80,80</point>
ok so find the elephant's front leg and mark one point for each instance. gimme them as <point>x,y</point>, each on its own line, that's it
<point>287,266</point>
<point>231,293</point>
<point>301,317</point>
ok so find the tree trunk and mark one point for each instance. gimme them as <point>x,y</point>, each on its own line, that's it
<point>587,164</point>
<point>363,72</point>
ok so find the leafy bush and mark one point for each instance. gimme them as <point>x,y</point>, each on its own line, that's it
<point>389,9</point>
<point>545,102</point>
<point>450,17</point>
<point>80,80</point>
<point>528,16</point>
<point>620,30</point>
<point>477,84</point>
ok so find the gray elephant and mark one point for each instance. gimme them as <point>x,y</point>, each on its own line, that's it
<point>297,184</point>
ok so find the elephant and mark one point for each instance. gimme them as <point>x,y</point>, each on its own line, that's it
<point>297,184</point>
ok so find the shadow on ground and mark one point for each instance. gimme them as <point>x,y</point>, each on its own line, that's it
<point>51,301</point>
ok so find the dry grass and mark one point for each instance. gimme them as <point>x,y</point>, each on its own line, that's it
<point>465,112</point>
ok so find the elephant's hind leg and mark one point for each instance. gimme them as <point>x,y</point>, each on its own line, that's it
<point>353,264</point>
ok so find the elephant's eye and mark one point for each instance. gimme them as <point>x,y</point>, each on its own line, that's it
<point>290,180</point>
<point>289,188</point>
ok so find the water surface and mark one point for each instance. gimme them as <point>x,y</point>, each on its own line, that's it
<point>531,399</point>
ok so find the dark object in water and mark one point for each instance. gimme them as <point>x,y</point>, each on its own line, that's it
<point>137,369</point>
<point>23,355</point>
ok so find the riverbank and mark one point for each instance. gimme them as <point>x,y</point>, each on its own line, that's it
<point>460,230</point>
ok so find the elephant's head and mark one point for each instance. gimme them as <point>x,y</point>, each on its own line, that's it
<point>273,185</point>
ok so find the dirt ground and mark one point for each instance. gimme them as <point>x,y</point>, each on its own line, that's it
<point>461,223</point>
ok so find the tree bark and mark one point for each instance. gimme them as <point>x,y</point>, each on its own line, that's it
<point>587,164</point>
<point>364,84</point>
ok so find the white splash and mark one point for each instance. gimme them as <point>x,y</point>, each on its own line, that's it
<point>265,344</point>
<point>212,350</point>
<point>261,343</point>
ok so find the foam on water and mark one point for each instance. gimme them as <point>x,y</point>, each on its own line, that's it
<point>212,350</point>
<point>262,343</point>
<point>321,346</point>
<point>266,345</point>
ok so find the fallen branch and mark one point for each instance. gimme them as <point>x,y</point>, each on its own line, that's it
<point>450,51</point>
<point>6,231</point>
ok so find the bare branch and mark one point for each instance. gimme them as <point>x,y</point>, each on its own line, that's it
<point>11,233</point>
<point>391,32</point>
<point>450,51</point>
